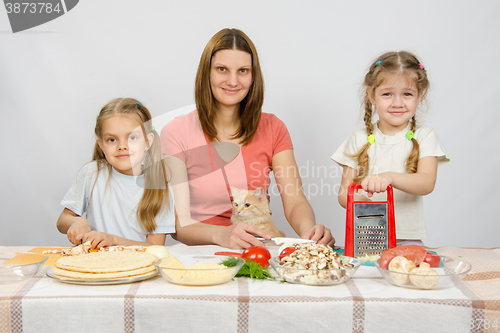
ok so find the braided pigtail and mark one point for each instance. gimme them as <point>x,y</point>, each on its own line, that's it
<point>412,161</point>
<point>362,155</point>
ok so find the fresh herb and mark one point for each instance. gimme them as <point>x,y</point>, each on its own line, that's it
<point>250,269</point>
<point>231,262</point>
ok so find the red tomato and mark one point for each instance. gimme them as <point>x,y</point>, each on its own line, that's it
<point>432,259</point>
<point>259,254</point>
<point>287,251</point>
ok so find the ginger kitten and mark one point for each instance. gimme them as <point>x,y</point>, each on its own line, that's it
<point>252,207</point>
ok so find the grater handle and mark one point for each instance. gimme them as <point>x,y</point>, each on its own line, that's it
<point>357,186</point>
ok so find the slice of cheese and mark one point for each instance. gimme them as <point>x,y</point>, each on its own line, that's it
<point>171,262</point>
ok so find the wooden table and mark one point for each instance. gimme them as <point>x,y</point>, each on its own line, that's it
<point>366,303</point>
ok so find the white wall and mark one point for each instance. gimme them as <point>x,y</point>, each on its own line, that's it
<point>54,78</point>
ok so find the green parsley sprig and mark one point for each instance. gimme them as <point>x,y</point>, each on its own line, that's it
<point>250,269</point>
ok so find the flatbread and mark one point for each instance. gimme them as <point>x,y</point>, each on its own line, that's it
<point>106,262</point>
<point>65,274</point>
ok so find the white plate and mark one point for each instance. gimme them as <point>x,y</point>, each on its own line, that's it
<point>102,282</point>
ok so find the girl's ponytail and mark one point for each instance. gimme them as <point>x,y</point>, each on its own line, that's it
<point>156,194</point>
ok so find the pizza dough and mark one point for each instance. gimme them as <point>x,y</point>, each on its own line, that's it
<point>63,273</point>
<point>105,265</point>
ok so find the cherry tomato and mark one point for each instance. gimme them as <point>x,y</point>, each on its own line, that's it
<point>432,259</point>
<point>287,251</point>
<point>259,254</point>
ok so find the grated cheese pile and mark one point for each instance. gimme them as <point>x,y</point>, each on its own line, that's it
<point>367,257</point>
<point>204,273</point>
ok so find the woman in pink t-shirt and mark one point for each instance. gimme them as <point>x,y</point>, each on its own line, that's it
<point>228,141</point>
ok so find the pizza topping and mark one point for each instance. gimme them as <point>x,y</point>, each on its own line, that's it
<point>401,265</point>
<point>404,271</point>
<point>314,256</point>
<point>314,264</point>
<point>424,276</point>
<point>87,248</point>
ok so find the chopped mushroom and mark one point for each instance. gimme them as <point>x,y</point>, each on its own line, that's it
<point>81,249</point>
<point>400,265</point>
<point>316,264</point>
<point>424,276</point>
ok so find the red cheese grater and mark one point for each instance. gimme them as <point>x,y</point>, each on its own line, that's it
<point>370,226</point>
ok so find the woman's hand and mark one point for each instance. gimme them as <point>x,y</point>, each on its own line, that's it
<point>78,228</point>
<point>376,183</point>
<point>98,239</point>
<point>240,236</point>
<point>320,234</point>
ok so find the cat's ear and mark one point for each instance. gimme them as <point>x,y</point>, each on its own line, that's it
<point>259,193</point>
<point>234,192</point>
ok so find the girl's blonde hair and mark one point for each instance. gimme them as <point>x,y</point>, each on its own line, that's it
<point>250,106</point>
<point>156,194</point>
<point>391,63</point>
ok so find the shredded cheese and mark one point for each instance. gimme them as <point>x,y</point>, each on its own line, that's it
<point>367,257</point>
<point>203,273</point>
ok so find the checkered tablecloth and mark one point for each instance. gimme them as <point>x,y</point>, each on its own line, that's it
<point>366,303</point>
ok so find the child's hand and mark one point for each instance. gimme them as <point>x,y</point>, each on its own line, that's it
<point>78,228</point>
<point>98,239</point>
<point>376,183</point>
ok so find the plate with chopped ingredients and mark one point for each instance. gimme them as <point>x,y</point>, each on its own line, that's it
<point>197,271</point>
<point>315,264</point>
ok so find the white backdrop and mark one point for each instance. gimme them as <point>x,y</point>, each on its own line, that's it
<point>54,78</point>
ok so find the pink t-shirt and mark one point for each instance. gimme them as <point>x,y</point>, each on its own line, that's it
<point>209,175</point>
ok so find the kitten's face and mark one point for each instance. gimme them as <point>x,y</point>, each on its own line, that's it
<point>248,204</point>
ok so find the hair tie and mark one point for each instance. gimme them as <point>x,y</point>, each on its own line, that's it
<point>421,66</point>
<point>152,128</point>
<point>378,62</point>
<point>371,139</point>
<point>138,105</point>
<point>409,135</point>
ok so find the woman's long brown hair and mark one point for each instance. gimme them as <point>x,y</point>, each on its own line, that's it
<point>250,106</point>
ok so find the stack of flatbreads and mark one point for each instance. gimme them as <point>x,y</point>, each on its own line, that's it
<point>108,265</point>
